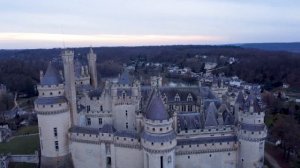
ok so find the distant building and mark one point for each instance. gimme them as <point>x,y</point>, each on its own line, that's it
<point>128,125</point>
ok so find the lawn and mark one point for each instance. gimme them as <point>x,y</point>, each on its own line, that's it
<point>21,145</point>
<point>32,129</point>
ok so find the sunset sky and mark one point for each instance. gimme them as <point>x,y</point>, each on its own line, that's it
<point>75,23</point>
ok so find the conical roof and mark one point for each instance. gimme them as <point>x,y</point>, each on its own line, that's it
<point>125,78</point>
<point>211,119</point>
<point>52,76</point>
<point>240,98</point>
<point>156,109</point>
<point>252,102</point>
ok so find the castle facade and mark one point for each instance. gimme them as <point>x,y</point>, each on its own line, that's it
<point>128,125</point>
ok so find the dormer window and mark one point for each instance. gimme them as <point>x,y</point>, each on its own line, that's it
<point>177,98</point>
<point>189,98</point>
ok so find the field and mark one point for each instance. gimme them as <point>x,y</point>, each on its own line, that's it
<point>21,145</point>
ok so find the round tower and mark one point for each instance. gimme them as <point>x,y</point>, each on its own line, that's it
<point>158,137</point>
<point>251,134</point>
<point>54,119</point>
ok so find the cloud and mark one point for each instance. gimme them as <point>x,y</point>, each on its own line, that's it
<point>107,39</point>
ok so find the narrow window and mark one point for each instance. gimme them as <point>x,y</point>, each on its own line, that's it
<point>161,162</point>
<point>55,132</point>
<point>126,125</point>
<point>88,121</point>
<point>88,108</point>
<point>56,145</point>
<point>101,108</point>
<point>100,121</point>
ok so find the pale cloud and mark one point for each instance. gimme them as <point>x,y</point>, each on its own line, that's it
<point>133,22</point>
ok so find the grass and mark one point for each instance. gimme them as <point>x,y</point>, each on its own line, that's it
<point>21,145</point>
<point>32,129</point>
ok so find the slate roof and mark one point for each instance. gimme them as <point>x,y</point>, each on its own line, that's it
<point>159,137</point>
<point>95,93</point>
<point>252,127</point>
<point>155,109</point>
<point>52,76</point>
<point>107,128</point>
<point>240,98</point>
<point>129,134</point>
<point>211,119</point>
<point>50,100</point>
<point>252,101</point>
<point>204,140</point>
<point>189,120</point>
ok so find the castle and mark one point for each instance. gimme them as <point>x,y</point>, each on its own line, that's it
<point>128,125</point>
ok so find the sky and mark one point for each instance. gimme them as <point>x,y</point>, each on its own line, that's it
<point>83,23</point>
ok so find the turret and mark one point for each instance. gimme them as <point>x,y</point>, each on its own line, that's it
<point>251,134</point>
<point>69,76</point>
<point>239,104</point>
<point>92,57</point>
<point>156,81</point>
<point>158,137</point>
<point>53,115</point>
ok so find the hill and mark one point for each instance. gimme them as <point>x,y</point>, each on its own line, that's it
<point>290,47</point>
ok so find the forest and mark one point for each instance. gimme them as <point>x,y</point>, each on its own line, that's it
<point>19,69</point>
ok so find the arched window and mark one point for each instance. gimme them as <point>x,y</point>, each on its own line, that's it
<point>123,94</point>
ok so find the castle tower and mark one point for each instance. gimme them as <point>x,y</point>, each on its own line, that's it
<point>158,137</point>
<point>251,134</point>
<point>69,76</point>
<point>92,57</point>
<point>54,120</point>
<point>239,104</point>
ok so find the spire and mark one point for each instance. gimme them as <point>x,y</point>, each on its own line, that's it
<point>240,98</point>
<point>125,77</point>
<point>52,76</point>
<point>155,109</point>
<point>211,115</point>
<point>91,50</point>
<point>251,103</point>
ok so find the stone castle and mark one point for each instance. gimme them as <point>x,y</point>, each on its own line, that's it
<point>128,125</point>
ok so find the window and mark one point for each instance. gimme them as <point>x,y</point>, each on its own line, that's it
<point>160,129</point>
<point>88,121</point>
<point>100,121</point>
<point>51,93</point>
<point>55,132</point>
<point>183,108</point>
<point>56,145</point>
<point>123,95</point>
<point>126,125</point>
<point>101,108</point>
<point>189,157</point>
<point>153,129</point>
<point>190,108</point>
<point>169,159</point>
<point>161,162</point>
<point>88,108</point>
